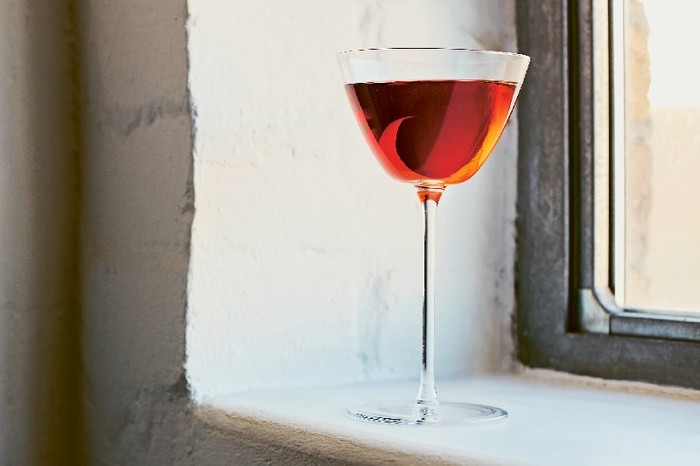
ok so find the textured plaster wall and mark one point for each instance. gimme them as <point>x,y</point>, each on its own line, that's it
<point>306,257</point>
<point>136,210</point>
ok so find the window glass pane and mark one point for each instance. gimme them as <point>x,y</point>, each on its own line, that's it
<point>661,155</point>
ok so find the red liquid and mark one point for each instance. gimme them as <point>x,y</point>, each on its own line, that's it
<point>432,130</point>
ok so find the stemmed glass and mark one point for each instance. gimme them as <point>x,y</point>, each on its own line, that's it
<point>432,117</point>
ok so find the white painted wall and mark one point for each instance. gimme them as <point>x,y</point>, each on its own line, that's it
<point>306,257</point>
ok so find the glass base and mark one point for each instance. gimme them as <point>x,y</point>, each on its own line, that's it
<point>445,413</point>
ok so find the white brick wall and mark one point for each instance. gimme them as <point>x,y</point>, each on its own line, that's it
<point>306,257</point>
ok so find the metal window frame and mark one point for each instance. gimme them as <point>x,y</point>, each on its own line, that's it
<point>567,318</point>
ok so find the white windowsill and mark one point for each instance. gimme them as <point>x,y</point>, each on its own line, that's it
<point>551,421</point>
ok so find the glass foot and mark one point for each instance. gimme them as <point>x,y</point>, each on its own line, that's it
<point>413,413</point>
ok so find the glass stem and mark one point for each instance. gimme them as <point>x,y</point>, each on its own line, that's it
<point>429,197</point>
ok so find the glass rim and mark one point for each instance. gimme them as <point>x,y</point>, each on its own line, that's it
<point>444,49</point>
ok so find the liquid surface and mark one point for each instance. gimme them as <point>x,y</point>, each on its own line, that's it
<point>440,131</point>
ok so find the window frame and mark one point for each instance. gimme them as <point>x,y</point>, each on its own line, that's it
<point>566,317</point>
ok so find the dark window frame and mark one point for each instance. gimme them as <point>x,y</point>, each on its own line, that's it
<point>555,276</point>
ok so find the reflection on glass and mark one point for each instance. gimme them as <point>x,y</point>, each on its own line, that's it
<point>662,155</point>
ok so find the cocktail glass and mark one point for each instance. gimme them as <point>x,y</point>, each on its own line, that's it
<point>432,117</point>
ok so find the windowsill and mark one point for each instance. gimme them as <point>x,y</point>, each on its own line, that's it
<point>551,421</point>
